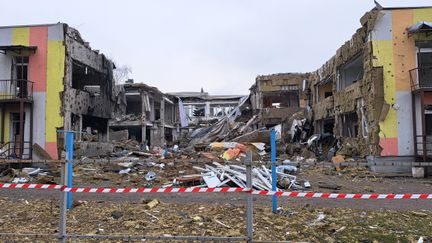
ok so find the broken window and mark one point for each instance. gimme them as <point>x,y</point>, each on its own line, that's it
<point>198,111</point>
<point>290,87</point>
<point>20,74</point>
<point>216,111</point>
<point>351,72</point>
<point>350,125</point>
<point>96,126</point>
<point>362,109</point>
<point>281,99</point>
<point>324,89</point>
<point>133,105</point>
<point>168,135</point>
<point>424,63</point>
<point>135,133</point>
<point>157,110</point>
<point>87,79</point>
<point>169,112</point>
<point>328,125</point>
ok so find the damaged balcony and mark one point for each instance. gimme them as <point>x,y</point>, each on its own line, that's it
<point>421,79</point>
<point>16,90</point>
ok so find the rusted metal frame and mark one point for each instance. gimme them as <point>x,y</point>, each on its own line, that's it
<point>414,119</point>
<point>21,129</point>
<point>3,114</point>
<point>423,125</point>
<point>31,132</point>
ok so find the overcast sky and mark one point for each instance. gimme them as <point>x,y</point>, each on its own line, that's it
<point>219,45</point>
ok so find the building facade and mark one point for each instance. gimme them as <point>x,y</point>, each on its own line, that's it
<point>375,91</point>
<point>149,116</point>
<point>201,108</point>
<point>276,97</point>
<point>50,79</point>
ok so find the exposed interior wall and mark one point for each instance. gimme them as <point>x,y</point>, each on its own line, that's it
<point>277,96</point>
<point>354,107</point>
<point>88,99</point>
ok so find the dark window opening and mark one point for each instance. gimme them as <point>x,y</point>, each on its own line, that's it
<point>350,125</point>
<point>328,126</point>
<point>425,68</point>
<point>135,133</point>
<point>87,79</point>
<point>148,136</point>
<point>169,112</point>
<point>133,105</point>
<point>157,111</point>
<point>168,135</point>
<point>98,127</point>
<point>351,72</point>
<point>428,121</point>
<point>20,74</point>
<point>198,111</point>
<point>283,99</point>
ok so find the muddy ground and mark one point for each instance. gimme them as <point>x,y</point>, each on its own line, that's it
<point>205,214</point>
<point>303,223</point>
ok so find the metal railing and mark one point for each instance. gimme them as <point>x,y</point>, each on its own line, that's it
<point>423,145</point>
<point>421,78</point>
<point>16,89</point>
<point>13,150</point>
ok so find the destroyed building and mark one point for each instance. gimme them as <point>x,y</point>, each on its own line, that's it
<point>50,80</point>
<point>375,92</point>
<point>144,114</point>
<point>276,97</point>
<point>202,108</point>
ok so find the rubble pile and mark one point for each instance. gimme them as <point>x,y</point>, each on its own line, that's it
<point>150,217</point>
<point>235,175</point>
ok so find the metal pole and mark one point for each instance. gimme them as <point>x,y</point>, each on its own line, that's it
<point>63,206</point>
<point>273,169</point>
<point>249,206</point>
<point>69,158</point>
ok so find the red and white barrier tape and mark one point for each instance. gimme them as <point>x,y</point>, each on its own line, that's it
<point>154,190</point>
<point>31,186</point>
<point>343,195</point>
<point>221,189</point>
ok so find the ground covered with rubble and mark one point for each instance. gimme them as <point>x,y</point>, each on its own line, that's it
<point>151,217</point>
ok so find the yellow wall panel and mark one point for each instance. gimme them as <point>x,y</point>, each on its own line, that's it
<point>423,14</point>
<point>21,36</point>
<point>388,128</point>
<point>383,56</point>
<point>55,74</point>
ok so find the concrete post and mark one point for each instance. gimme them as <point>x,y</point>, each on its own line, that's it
<point>143,117</point>
<point>162,119</point>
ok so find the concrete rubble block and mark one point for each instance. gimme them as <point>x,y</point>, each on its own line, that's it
<point>418,172</point>
<point>119,136</point>
<point>91,149</point>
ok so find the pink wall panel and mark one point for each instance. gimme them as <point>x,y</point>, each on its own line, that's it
<point>390,146</point>
<point>38,61</point>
